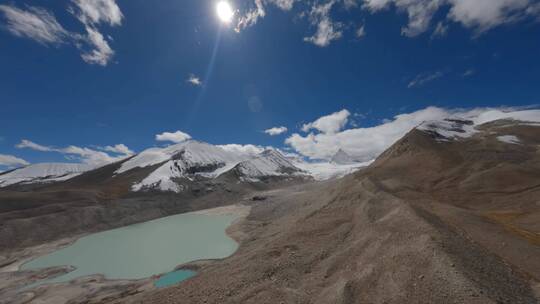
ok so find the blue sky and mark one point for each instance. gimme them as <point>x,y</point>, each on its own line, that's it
<point>92,74</point>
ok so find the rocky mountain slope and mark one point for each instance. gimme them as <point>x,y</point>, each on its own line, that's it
<point>437,218</point>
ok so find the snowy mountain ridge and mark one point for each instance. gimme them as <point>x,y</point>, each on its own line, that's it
<point>456,127</point>
<point>43,173</point>
<point>174,167</point>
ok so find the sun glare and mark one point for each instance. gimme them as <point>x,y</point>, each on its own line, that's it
<point>224,11</point>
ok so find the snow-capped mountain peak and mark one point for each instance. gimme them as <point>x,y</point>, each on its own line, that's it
<point>269,163</point>
<point>190,154</point>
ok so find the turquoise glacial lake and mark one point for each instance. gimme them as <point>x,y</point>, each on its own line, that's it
<point>145,249</point>
<point>173,277</point>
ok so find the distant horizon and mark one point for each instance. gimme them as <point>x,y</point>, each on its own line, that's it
<point>329,127</point>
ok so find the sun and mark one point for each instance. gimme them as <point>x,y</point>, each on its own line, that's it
<point>224,11</point>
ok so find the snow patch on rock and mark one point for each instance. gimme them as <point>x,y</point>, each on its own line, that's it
<point>448,129</point>
<point>509,139</point>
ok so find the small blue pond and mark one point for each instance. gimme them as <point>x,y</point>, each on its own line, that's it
<point>173,277</point>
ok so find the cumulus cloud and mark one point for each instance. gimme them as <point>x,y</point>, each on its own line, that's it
<point>275,131</point>
<point>85,155</point>
<point>330,123</point>
<point>34,23</point>
<point>366,144</point>
<point>175,137</point>
<point>194,80</point>
<point>11,161</point>
<point>41,26</point>
<point>424,78</point>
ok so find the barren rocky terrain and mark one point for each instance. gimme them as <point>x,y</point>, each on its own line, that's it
<point>430,221</point>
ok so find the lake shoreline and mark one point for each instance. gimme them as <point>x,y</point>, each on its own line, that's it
<point>234,231</point>
<point>80,287</point>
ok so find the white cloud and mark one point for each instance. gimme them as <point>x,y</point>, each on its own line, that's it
<point>194,80</point>
<point>243,149</point>
<point>101,53</point>
<point>482,15</point>
<point>91,13</point>
<point>41,26</point>
<point>367,143</point>
<point>361,31</point>
<point>33,146</point>
<point>34,23</point>
<point>275,131</point>
<point>251,16</point>
<point>11,161</point>
<point>420,12</point>
<point>424,78</point>
<point>330,123</point>
<point>82,154</point>
<point>283,4</point>
<point>478,15</point>
<point>441,30</point>
<point>90,156</point>
<point>327,30</point>
<point>175,137</point>
<point>119,148</point>
<point>98,11</point>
